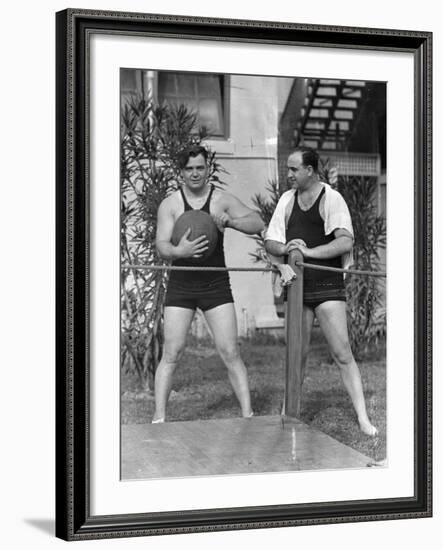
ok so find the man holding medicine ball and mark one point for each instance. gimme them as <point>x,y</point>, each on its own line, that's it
<point>210,291</point>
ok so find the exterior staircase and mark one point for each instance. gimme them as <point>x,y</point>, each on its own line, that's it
<point>329,114</point>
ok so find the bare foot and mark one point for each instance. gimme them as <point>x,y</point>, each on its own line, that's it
<point>368,429</point>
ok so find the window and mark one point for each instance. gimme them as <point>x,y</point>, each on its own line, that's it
<point>203,93</point>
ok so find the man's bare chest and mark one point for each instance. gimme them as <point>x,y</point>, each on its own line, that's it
<point>215,207</point>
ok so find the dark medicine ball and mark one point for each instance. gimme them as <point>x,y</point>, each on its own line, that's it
<point>200,223</point>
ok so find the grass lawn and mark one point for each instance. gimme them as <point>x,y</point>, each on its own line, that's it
<point>201,390</point>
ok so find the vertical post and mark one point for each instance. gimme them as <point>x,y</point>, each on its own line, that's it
<point>294,314</point>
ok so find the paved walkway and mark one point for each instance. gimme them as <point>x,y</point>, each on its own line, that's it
<point>230,446</point>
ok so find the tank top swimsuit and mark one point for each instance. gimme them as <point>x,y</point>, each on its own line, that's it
<point>216,259</point>
<point>309,226</point>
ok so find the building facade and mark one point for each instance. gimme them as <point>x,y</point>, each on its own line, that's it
<point>254,123</point>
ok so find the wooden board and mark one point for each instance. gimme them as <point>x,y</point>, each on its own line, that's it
<point>231,446</point>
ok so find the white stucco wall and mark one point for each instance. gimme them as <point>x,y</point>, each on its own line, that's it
<point>250,157</point>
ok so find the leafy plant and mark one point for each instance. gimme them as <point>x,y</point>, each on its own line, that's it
<point>152,136</point>
<point>366,304</point>
<point>366,295</point>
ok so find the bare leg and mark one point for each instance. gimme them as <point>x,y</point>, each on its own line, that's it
<point>177,321</point>
<point>332,318</point>
<point>223,324</point>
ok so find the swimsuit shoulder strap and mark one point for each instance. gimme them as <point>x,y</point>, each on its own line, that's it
<point>205,207</point>
<point>185,202</point>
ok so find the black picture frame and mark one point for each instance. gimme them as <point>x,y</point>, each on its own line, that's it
<point>74,27</point>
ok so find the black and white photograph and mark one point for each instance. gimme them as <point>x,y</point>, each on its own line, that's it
<point>253,271</point>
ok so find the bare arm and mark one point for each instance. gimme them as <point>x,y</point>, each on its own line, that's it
<point>341,244</point>
<point>238,216</point>
<point>276,249</point>
<point>185,248</point>
<point>250,223</point>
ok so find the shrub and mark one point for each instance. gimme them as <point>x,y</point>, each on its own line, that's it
<point>366,304</point>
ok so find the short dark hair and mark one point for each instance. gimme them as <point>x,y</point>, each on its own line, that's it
<point>309,157</point>
<point>185,154</point>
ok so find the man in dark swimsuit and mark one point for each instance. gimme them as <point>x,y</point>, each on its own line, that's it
<point>314,218</point>
<point>209,291</point>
